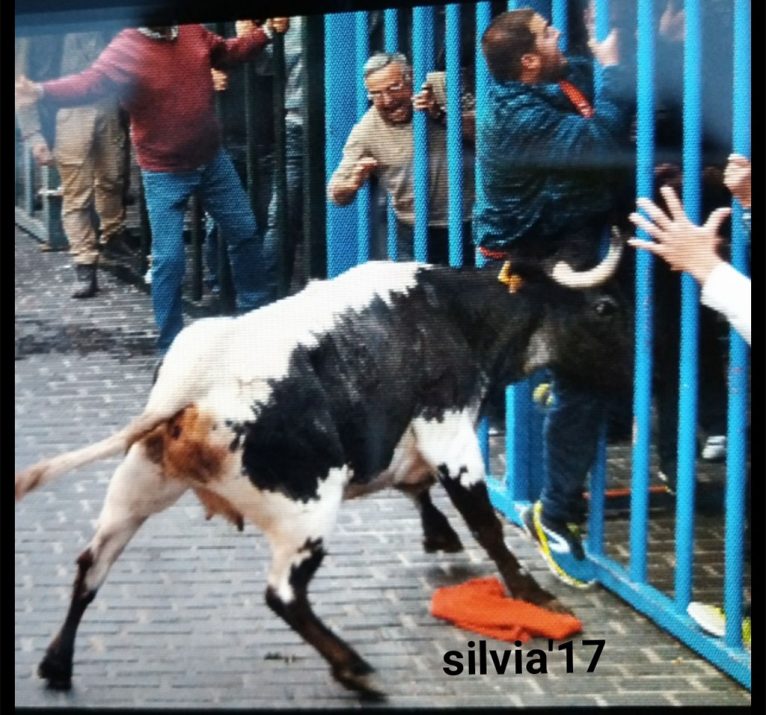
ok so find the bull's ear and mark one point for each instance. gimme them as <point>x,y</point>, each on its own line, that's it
<point>605,306</point>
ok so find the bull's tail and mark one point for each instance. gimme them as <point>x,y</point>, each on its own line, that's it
<point>47,470</point>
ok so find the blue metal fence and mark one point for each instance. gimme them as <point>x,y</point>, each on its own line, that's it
<point>348,235</point>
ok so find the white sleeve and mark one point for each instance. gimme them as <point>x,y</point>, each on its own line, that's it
<point>728,291</point>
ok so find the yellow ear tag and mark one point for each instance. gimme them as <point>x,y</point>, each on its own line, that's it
<point>513,281</point>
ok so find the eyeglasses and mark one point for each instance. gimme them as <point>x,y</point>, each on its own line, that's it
<point>388,91</point>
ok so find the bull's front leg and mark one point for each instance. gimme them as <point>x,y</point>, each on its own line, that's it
<point>452,447</point>
<point>297,539</point>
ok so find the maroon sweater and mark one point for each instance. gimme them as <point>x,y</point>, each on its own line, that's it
<point>166,87</point>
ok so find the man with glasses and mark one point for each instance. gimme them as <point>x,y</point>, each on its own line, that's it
<point>381,143</point>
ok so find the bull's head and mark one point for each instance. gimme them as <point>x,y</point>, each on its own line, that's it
<point>588,327</point>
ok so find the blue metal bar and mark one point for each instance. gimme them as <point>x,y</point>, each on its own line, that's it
<point>454,135</point>
<point>482,81</point>
<point>391,44</point>
<point>689,373</point>
<point>596,510</point>
<point>340,88</point>
<point>422,29</point>
<point>736,453</point>
<point>601,9</point>
<point>361,53</point>
<point>642,397</point>
<point>657,606</point>
<point>560,20</point>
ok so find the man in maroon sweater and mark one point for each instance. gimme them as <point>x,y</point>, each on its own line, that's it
<point>162,78</point>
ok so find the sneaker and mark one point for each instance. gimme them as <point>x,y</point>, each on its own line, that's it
<point>715,448</point>
<point>561,547</point>
<point>669,480</point>
<point>711,619</point>
<point>543,395</point>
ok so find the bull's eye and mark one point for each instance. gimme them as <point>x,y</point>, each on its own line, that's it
<point>605,306</point>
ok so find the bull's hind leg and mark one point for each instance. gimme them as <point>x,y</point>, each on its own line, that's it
<point>438,535</point>
<point>452,447</point>
<point>297,543</point>
<point>136,491</point>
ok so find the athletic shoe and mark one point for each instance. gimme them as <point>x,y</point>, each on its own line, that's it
<point>561,547</point>
<point>715,448</point>
<point>711,619</point>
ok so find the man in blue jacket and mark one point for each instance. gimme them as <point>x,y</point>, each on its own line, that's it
<point>548,152</point>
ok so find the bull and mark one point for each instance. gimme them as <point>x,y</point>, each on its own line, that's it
<point>374,379</point>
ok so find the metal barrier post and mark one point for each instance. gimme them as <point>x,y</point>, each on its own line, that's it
<point>391,44</point>
<point>361,53</point>
<point>314,206</point>
<point>736,454</point>
<point>56,239</point>
<point>689,374</point>
<point>422,63</point>
<point>454,135</point>
<point>642,389</point>
<point>280,161</point>
<point>340,91</point>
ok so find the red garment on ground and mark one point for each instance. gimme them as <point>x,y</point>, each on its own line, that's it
<point>166,87</point>
<point>480,605</point>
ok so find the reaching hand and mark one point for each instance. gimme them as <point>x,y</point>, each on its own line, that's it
<point>606,52</point>
<point>220,79</point>
<point>279,24</point>
<point>673,23</point>
<point>737,178</point>
<point>244,27</point>
<point>681,243</point>
<point>425,100</point>
<point>27,92</point>
<point>362,169</point>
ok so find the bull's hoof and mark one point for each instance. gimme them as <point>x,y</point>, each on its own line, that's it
<point>58,674</point>
<point>449,543</point>
<point>359,677</point>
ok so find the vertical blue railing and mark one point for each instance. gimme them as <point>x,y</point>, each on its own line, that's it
<point>391,44</point>
<point>597,504</point>
<point>340,91</point>
<point>361,53</point>
<point>642,397</point>
<point>422,63</point>
<point>483,16</point>
<point>454,134</point>
<point>687,406</point>
<point>736,455</point>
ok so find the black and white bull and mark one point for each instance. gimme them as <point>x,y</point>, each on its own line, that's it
<point>373,379</point>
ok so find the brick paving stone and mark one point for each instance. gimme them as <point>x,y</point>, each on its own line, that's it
<point>181,621</point>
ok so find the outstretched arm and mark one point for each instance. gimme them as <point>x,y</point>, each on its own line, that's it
<point>688,247</point>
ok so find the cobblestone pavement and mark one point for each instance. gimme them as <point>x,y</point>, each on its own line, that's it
<point>181,622</point>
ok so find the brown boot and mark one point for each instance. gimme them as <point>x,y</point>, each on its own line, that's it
<point>86,285</point>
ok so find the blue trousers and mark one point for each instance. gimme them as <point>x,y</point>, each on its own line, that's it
<point>167,194</point>
<point>570,440</point>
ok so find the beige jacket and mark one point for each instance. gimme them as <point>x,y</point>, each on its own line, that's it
<point>391,146</point>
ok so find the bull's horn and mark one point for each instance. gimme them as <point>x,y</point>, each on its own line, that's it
<point>565,275</point>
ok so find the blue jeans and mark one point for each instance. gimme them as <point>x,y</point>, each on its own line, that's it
<point>167,194</point>
<point>570,440</point>
<point>294,229</point>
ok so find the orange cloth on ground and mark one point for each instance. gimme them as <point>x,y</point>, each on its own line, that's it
<point>480,605</point>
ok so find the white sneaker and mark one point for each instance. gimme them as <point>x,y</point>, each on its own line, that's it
<point>148,277</point>
<point>715,448</point>
<point>711,619</point>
